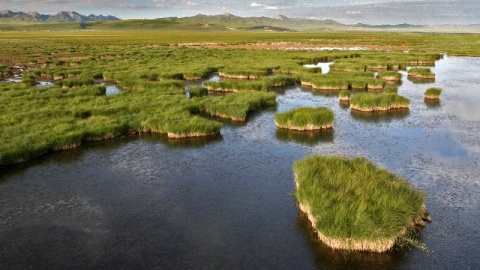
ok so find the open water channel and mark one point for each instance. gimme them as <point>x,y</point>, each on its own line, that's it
<point>226,203</point>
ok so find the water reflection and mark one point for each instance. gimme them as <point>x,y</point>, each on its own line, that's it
<point>433,103</point>
<point>305,137</point>
<point>381,116</point>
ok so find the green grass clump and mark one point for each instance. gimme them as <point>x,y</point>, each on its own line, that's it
<point>235,85</point>
<point>375,85</point>
<point>371,102</point>
<point>355,205</point>
<point>344,95</point>
<point>432,93</point>
<point>390,89</point>
<point>237,106</point>
<point>280,81</point>
<point>306,119</point>
<point>390,76</point>
<point>421,73</point>
<point>196,91</point>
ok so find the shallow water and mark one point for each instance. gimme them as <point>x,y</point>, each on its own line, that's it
<point>112,89</point>
<point>324,66</point>
<point>227,202</point>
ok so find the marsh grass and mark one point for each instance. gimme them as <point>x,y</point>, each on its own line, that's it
<point>197,91</point>
<point>152,71</point>
<point>390,76</point>
<point>421,73</point>
<point>355,205</point>
<point>306,119</point>
<point>237,106</point>
<point>372,102</point>
<point>390,89</point>
<point>227,85</point>
<point>344,95</point>
<point>432,94</point>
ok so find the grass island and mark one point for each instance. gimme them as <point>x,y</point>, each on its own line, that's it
<point>421,74</point>
<point>305,119</point>
<point>432,94</point>
<point>373,102</point>
<point>354,205</point>
<point>344,96</point>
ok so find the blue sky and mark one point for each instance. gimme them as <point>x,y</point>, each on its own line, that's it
<point>345,11</point>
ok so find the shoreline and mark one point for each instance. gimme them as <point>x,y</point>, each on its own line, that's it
<point>308,127</point>
<point>105,137</point>
<point>379,109</point>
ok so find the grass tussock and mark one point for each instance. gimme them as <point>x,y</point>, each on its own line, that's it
<point>197,91</point>
<point>306,119</point>
<point>372,102</point>
<point>237,106</point>
<point>432,93</point>
<point>421,73</point>
<point>354,205</point>
<point>390,89</point>
<point>390,76</point>
<point>344,95</point>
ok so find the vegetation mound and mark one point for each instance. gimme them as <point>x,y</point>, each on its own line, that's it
<point>421,73</point>
<point>306,119</point>
<point>344,95</point>
<point>432,93</point>
<point>372,102</point>
<point>354,205</point>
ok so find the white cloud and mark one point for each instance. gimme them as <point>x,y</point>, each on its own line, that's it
<point>355,12</point>
<point>254,4</point>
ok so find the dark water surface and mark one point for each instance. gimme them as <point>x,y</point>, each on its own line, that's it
<point>224,203</point>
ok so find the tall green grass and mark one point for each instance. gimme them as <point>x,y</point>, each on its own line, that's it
<point>371,102</point>
<point>306,119</point>
<point>421,73</point>
<point>433,93</point>
<point>355,205</point>
<point>237,106</point>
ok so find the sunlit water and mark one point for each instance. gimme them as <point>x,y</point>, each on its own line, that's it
<point>227,203</point>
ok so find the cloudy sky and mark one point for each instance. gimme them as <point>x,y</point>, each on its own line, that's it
<point>345,11</point>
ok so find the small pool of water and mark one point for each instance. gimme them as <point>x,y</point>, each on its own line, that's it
<point>44,84</point>
<point>324,66</point>
<point>112,89</point>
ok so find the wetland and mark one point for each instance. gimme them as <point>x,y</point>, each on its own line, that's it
<point>227,201</point>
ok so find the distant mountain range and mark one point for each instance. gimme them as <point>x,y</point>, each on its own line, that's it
<point>71,20</point>
<point>63,16</point>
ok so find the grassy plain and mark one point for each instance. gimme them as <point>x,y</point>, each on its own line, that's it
<point>152,68</point>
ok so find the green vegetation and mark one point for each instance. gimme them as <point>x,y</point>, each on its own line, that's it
<point>235,85</point>
<point>421,73</point>
<point>237,106</point>
<point>355,205</point>
<point>265,84</point>
<point>152,69</point>
<point>390,76</point>
<point>432,93</point>
<point>344,95</point>
<point>196,91</point>
<point>390,89</point>
<point>372,102</point>
<point>306,119</point>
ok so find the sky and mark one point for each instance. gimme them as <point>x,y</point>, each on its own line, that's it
<point>430,12</point>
